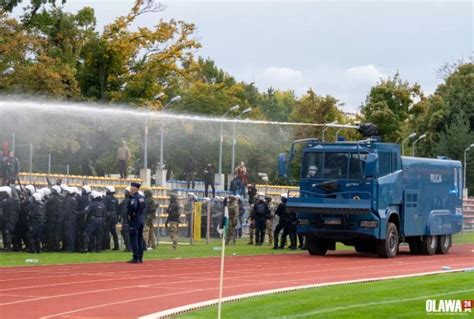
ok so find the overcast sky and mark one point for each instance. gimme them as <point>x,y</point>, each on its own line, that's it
<point>340,48</point>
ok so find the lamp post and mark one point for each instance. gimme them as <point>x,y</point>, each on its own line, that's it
<point>162,131</point>
<point>232,109</point>
<point>417,140</point>
<point>326,128</point>
<point>247,110</point>
<point>409,137</point>
<point>465,166</point>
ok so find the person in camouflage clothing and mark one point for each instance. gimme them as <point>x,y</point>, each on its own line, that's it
<point>150,215</point>
<point>172,221</point>
<point>233,218</point>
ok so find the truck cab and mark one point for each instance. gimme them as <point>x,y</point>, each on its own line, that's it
<point>361,194</point>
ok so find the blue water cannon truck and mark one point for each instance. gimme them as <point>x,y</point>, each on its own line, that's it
<point>365,194</point>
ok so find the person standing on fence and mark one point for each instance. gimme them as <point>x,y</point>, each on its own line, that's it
<point>242,175</point>
<point>150,216</point>
<point>123,156</point>
<point>112,205</point>
<point>172,220</point>
<point>11,169</point>
<point>190,172</point>
<point>233,218</point>
<point>136,222</point>
<point>209,176</point>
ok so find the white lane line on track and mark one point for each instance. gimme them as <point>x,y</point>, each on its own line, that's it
<point>240,276</point>
<point>195,306</point>
<point>368,304</point>
<point>140,299</point>
<point>191,281</point>
<point>280,264</point>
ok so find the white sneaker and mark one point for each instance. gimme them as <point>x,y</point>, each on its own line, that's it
<point>149,248</point>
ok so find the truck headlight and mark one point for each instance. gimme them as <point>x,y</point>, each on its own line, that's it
<point>369,223</point>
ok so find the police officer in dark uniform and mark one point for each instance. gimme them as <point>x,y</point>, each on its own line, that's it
<point>6,208</point>
<point>82,202</point>
<point>123,218</point>
<point>54,215</point>
<point>35,218</point>
<point>261,213</point>
<point>70,219</point>
<point>112,205</point>
<point>136,221</point>
<point>95,213</point>
<point>20,234</point>
<point>282,220</point>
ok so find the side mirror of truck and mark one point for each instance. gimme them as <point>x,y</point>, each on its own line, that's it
<point>282,165</point>
<point>371,167</point>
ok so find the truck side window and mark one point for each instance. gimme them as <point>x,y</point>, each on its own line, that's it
<point>385,163</point>
<point>394,162</point>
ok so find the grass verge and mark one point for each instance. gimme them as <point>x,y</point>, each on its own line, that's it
<point>397,298</point>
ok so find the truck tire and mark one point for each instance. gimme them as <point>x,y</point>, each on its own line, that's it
<point>388,248</point>
<point>444,243</point>
<point>428,245</point>
<point>316,246</point>
<point>415,248</point>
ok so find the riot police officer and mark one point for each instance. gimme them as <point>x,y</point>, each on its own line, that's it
<point>95,213</point>
<point>70,219</point>
<point>261,213</point>
<point>136,221</point>
<point>123,218</point>
<point>282,221</point>
<point>6,208</point>
<point>35,218</point>
<point>112,206</point>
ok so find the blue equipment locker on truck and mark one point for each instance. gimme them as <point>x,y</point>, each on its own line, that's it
<point>365,194</point>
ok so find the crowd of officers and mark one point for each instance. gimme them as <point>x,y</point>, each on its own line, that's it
<point>63,218</point>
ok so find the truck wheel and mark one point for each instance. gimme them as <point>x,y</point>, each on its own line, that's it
<point>388,248</point>
<point>316,246</point>
<point>415,248</point>
<point>429,245</point>
<point>444,243</point>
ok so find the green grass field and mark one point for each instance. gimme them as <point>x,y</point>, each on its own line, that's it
<point>164,251</point>
<point>398,298</point>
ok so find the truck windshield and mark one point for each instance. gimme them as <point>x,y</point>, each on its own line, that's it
<point>333,165</point>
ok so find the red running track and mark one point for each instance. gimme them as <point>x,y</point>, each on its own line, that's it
<point>121,290</point>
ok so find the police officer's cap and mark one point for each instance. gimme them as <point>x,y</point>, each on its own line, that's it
<point>134,184</point>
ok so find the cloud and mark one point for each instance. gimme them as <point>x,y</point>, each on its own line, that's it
<point>280,78</point>
<point>364,74</point>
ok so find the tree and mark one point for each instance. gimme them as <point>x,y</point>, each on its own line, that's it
<point>387,106</point>
<point>277,105</point>
<point>122,65</point>
<point>312,108</point>
<point>32,8</point>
